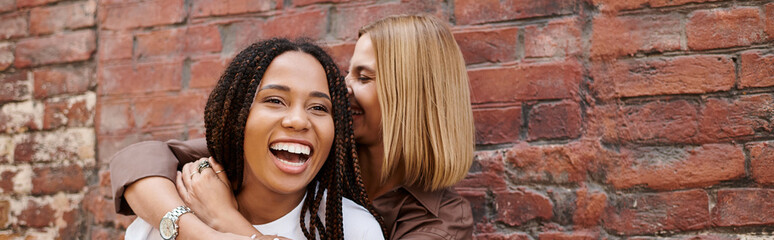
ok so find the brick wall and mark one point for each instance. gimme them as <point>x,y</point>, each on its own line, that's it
<point>595,119</point>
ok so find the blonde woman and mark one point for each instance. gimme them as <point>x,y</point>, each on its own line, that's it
<point>413,128</point>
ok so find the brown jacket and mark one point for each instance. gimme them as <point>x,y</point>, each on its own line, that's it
<point>408,213</point>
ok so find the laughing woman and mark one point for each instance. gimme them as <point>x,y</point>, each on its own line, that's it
<point>271,122</point>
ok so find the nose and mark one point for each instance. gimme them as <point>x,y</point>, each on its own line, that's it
<point>296,119</point>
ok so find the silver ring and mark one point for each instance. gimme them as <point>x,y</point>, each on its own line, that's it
<point>216,172</point>
<point>203,165</point>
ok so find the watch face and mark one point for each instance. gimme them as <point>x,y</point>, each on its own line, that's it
<point>167,228</point>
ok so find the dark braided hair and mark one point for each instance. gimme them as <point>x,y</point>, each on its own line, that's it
<point>225,117</point>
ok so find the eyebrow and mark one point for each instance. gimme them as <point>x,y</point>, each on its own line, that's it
<point>284,88</point>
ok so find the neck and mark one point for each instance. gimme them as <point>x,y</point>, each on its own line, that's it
<point>260,205</point>
<point>371,158</point>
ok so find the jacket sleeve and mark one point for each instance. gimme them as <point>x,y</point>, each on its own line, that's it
<point>454,221</point>
<point>148,159</point>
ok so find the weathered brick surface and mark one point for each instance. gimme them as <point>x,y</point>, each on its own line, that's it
<point>69,47</point>
<point>626,35</point>
<point>633,214</point>
<point>555,121</point>
<point>556,39</point>
<point>743,207</point>
<point>762,162</point>
<point>757,69</point>
<point>500,125</point>
<point>536,81</point>
<point>74,15</point>
<point>660,76</point>
<point>597,119</point>
<point>14,25</point>
<point>724,28</point>
<point>488,45</point>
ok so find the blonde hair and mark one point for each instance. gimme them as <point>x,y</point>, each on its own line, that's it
<point>422,85</point>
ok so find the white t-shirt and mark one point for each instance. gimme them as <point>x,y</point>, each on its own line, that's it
<point>357,222</point>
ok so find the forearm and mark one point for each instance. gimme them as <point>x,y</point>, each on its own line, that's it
<point>152,197</point>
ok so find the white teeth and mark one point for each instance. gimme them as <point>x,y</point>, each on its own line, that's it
<point>291,163</point>
<point>291,147</point>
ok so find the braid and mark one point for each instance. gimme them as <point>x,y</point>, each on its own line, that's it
<point>228,108</point>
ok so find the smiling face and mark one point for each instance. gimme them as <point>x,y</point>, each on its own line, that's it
<point>366,112</point>
<point>289,131</point>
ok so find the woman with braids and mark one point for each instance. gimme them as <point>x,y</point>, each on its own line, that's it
<point>413,128</point>
<point>271,122</point>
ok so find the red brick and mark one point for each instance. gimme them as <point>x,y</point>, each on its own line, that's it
<point>568,236</point>
<point>589,206</point>
<point>98,206</point>
<point>723,119</point>
<point>179,41</point>
<point>653,122</point>
<point>206,72</point>
<point>68,179</point>
<point>689,237</point>
<point>502,236</point>
<point>762,162</point>
<point>6,56</point>
<point>743,207</point>
<point>311,24</point>
<point>74,15</point>
<point>634,214</point>
<point>477,11</point>
<point>164,111</point>
<point>770,20</point>
<point>341,53</point>
<point>671,167</point>
<point>756,70</point>
<point>6,182</point>
<point>533,81</point>
<point>659,76</point>
<point>4,212</point>
<point>558,38</point>
<point>7,5</point>
<point>487,44</point>
<point>37,215</point>
<point>13,25</point>
<point>487,173</point>
<point>497,125</point>
<point>615,36</point>
<point>554,121</point>
<point>206,8</point>
<point>114,118</point>
<point>299,3</point>
<point>347,20</point>
<point>32,3</point>
<point>617,5</point>
<point>71,112</point>
<point>21,117</point>
<point>24,149</point>
<point>478,203</point>
<point>69,145</point>
<point>69,227</point>
<point>109,144</point>
<point>722,28</point>
<point>14,86</point>
<point>141,14</point>
<point>68,47</point>
<point>240,35</point>
<point>519,207</point>
<point>552,163</point>
<point>115,45</point>
<point>140,78</point>
<point>63,80</point>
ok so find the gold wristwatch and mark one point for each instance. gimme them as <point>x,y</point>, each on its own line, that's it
<point>168,225</point>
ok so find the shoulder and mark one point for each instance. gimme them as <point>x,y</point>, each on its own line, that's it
<point>447,216</point>
<point>358,222</point>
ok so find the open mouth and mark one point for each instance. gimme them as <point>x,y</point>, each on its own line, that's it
<point>293,154</point>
